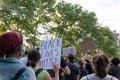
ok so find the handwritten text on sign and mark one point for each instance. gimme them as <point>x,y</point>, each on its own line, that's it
<point>50,52</point>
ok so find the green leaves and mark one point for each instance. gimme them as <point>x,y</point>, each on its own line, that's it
<point>59,19</point>
<point>75,25</point>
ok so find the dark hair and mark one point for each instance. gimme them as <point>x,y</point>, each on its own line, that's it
<point>100,62</point>
<point>26,52</point>
<point>37,48</point>
<point>71,57</point>
<point>33,58</point>
<point>80,62</point>
<point>115,61</point>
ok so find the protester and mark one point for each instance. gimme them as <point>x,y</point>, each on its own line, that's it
<point>115,68</point>
<point>34,62</point>
<point>75,72</point>
<point>83,71</point>
<point>24,59</point>
<point>11,44</point>
<point>100,66</point>
<point>63,69</point>
<point>87,59</point>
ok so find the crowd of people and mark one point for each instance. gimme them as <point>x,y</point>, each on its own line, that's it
<point>15,67</point>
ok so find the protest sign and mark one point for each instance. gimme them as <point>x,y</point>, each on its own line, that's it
<point>50,52</point>
<point>88,46</point>
<point>69,50</point>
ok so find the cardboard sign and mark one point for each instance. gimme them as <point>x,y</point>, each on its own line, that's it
<point>50,52</point>
<point>69,50</point>
<point>88,46</point>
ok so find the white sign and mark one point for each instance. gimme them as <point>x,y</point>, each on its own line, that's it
<point>69,50</point>
<point>50,52</point>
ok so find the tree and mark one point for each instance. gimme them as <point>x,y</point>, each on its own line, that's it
<point>106,40</point>
<point>59,19</point>
<point>74,25</point>
<point>24,16</point>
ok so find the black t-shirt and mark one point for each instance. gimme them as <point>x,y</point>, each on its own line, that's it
<point>83,71</point>
<point>62,64</point>
<point>114,71</point>
<point>74,71</point>
<point>89,67</point>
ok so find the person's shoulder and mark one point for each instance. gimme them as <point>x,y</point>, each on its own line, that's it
<point>44,71</point>
<point>111,77</point>
<point>114,78</point>
<point>28,74</point>
<point>29,70</point>
<point>86,77</point>
<point>75,66</point>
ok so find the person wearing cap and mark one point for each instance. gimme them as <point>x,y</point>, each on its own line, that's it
<point>11,44</point>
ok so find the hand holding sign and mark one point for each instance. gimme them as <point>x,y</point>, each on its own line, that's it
<point>55,67</point>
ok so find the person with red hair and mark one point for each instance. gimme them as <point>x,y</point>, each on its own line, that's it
<point>11,44</point>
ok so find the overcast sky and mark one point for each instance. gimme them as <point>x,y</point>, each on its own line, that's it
<point>107,11</point>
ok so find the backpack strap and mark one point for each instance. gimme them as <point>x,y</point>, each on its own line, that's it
<point>17,75</point>
<point>38,71</point>
<point>87,78</point>
<point>112,78</point>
